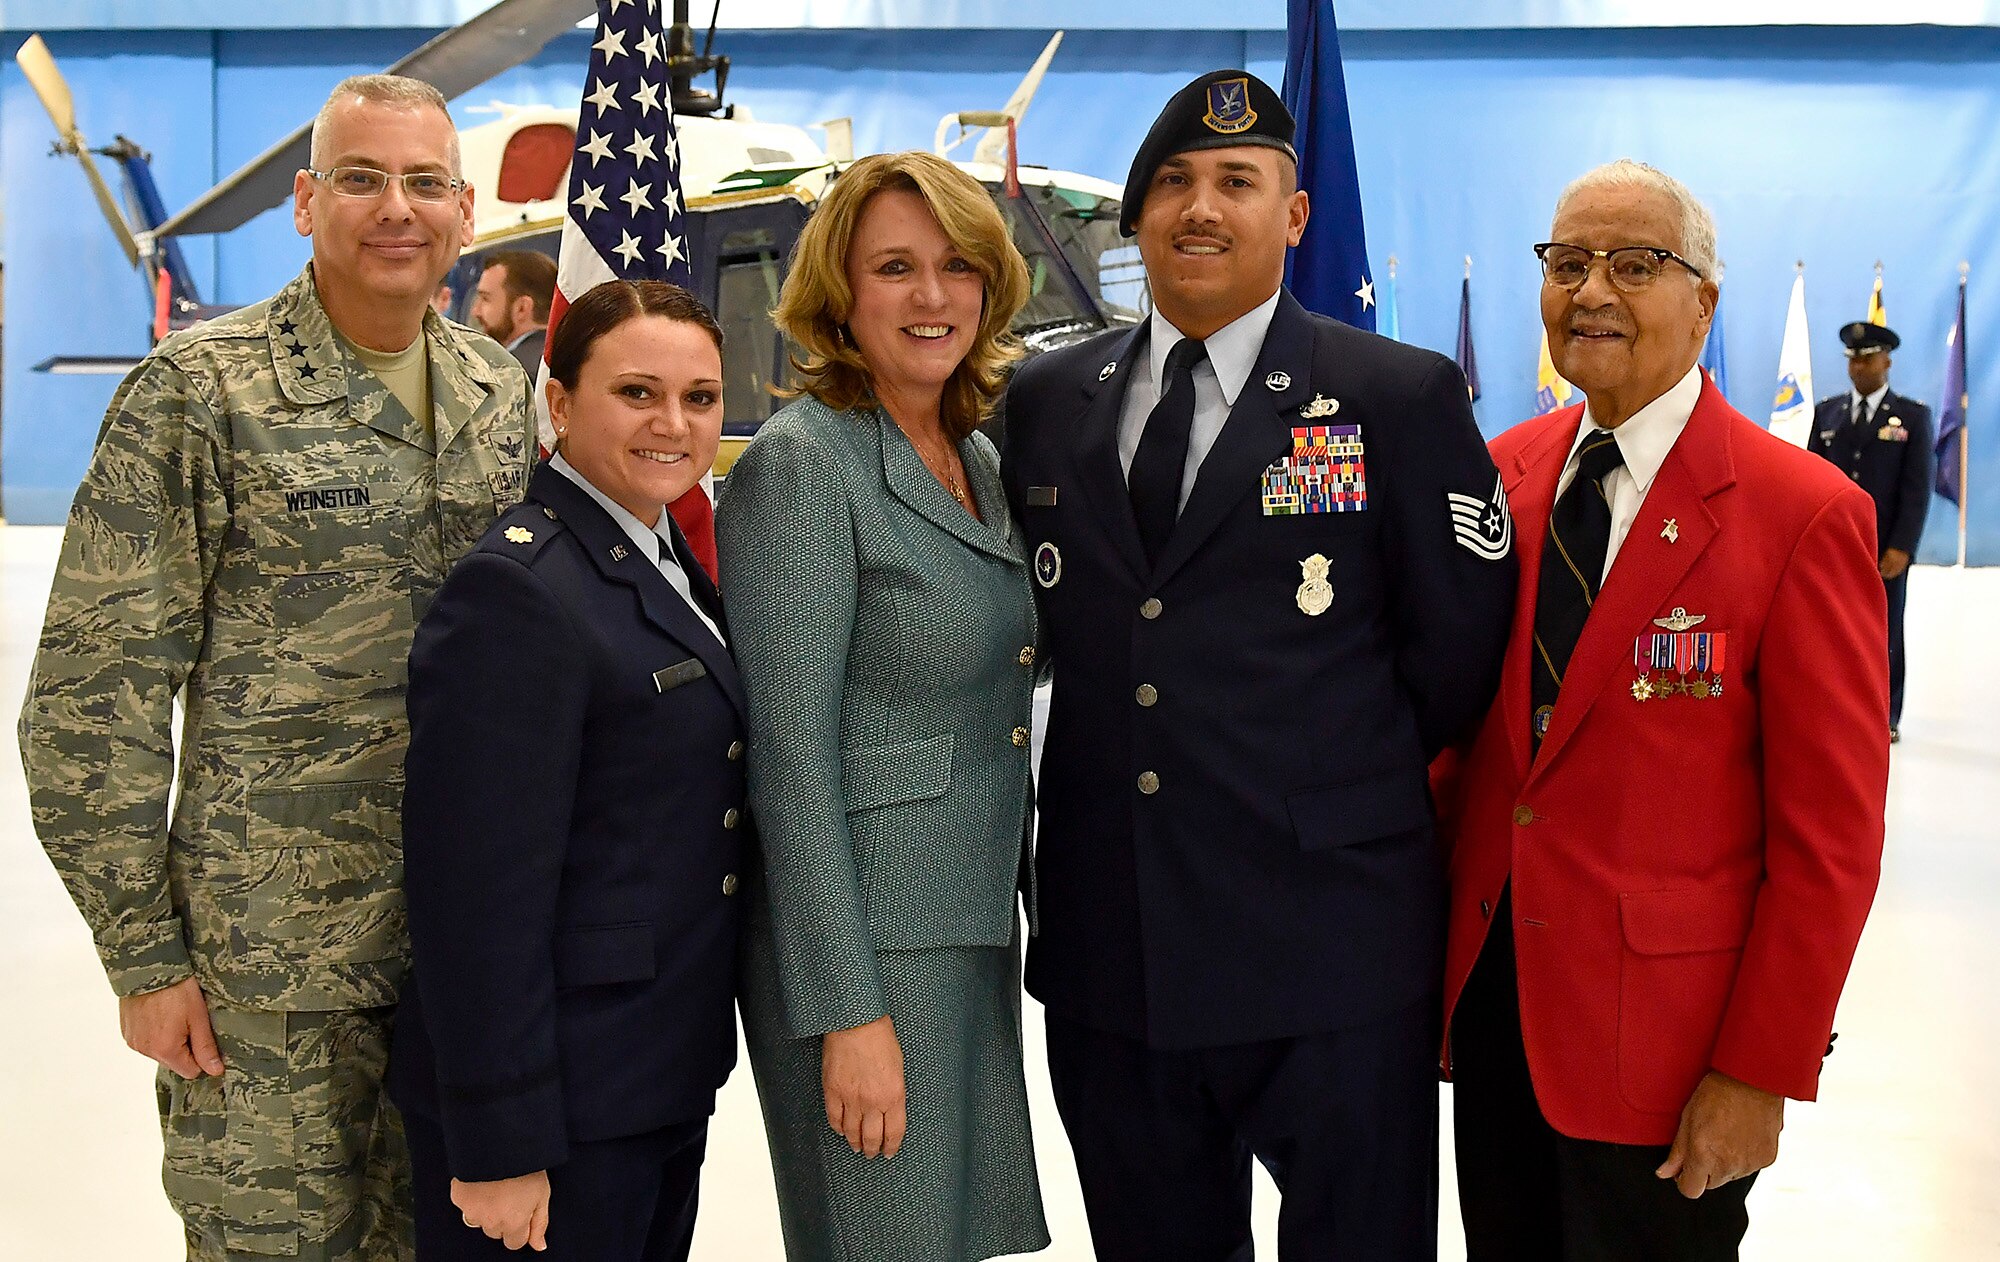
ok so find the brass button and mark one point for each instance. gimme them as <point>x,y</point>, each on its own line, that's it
<point>1028,655</point>
<point>1146,694</point>
<point>1523,816</point>
<point>736,751</point>
<point>1148,783</point>
<point>1485,910</point>
<point>1151,609</point>
<point>1020,738</point>
<point>729,885</point>
<point>731,817</point>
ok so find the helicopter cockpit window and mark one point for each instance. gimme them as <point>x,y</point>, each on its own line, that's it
<point>749,272</point>
<point>1100,285</point>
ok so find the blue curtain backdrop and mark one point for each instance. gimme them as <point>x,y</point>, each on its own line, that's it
<point>1837,145</point>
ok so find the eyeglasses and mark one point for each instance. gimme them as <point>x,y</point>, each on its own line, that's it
<point>1631,267</point>
<point>418,186</point>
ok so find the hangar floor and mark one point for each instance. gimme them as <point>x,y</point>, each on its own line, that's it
<point>1900,1160</point>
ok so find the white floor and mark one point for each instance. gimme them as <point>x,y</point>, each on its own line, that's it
<point>1900,1161</point>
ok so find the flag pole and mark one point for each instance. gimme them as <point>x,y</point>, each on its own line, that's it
<point>1964,435</point>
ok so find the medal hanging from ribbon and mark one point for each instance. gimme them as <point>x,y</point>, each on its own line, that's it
<point>1693,659</point>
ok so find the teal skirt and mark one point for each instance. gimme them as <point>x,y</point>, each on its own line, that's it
<point>963,1186</point>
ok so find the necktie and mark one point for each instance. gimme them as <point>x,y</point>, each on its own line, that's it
<point>1572,571</point>
<point>1158,465</point>
<point>1860,413</point>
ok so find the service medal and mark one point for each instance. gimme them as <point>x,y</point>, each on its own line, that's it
<point>1642,689</point>
<point>1315,593</point>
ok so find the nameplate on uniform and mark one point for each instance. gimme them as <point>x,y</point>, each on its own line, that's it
<point>1041,497</point>
<point>324,497</point>
<point>1326,472</point>
<point>679,673</point>
<point>1680,663</point>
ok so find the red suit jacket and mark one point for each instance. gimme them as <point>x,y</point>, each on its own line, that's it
<point>1690,870</point>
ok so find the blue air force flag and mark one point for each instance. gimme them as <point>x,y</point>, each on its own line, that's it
<point>1328,269</point>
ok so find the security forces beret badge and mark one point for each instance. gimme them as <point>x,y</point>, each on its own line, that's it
<point>1229,109</point>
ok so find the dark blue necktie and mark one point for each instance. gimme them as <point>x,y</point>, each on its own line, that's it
<point>1161,460</point>
<point>1572,570</point>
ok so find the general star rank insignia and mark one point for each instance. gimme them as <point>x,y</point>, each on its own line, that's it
<point>520,534</point>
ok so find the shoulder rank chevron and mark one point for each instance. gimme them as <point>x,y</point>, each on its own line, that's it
<point>1482,527</point>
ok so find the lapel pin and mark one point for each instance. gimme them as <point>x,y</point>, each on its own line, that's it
<point>1279,381</point>
<point>1104,373</point>
<point>1320,407</point>
<point>1048,564</point>
<point>1671,532</point>
<point>619,552</point>
<point>520,534</point>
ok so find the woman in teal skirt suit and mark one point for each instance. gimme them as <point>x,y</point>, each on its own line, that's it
<point>884,625</point>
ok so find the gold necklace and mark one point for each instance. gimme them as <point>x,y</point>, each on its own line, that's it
<point>943,475</point>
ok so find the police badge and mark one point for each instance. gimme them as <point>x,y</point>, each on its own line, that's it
<point>1315,593</point>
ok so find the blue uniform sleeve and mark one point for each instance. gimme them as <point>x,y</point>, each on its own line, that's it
<point>1450,558</point>
<point>790,575</point>
<point>1914,484</point>
<point>497,707</point>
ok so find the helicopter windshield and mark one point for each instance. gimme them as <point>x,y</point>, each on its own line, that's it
<point>1103,283</point>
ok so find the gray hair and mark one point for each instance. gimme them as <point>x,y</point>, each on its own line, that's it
<point>1697,225</point>
<point>383,89</point>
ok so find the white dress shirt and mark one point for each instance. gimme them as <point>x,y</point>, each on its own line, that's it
<point>1643,441</point>
<point>1218,379</point>
<point>652,541</point>
<point>1873,400</point>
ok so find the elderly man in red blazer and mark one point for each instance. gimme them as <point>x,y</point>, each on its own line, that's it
<point>1667,832</point>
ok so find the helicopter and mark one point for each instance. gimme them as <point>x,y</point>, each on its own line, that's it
<point>748,187</point>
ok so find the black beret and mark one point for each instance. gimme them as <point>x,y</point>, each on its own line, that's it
<point>1862,338</point>
<point>1220,110</point>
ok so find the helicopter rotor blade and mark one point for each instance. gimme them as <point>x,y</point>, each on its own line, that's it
<point>39,65</point>
<point>457,61</point>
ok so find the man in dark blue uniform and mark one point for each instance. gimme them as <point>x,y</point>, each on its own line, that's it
<point>1276,572</point>
<point>1883,441</point>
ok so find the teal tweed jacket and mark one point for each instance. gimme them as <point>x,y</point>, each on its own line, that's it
<point>887,641</point>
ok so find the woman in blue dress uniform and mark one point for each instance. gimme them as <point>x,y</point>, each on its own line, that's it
<point>886,631</point>
<point>573,827</point>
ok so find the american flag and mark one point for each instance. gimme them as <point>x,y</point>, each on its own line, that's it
<point>625,218</point>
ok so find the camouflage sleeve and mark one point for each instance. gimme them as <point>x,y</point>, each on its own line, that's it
<point>124,628</point>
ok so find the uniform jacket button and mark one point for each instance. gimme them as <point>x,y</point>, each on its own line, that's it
<point>1028,655</point>
<point>1146,694</point>
<point>1150,609</point>
<point>1148,783</point>
<point>729,885</point>
<point>1523,816</point>
<point>1020,738</point>
<point>735,751</point>
<point>731,817</point>
<point>1485,910</point>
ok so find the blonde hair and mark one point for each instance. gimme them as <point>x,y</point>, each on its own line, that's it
<point>397,91</point>
<point>814,306</point>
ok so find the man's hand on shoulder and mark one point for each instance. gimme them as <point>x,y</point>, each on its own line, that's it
<point>1729,1129</point>
<point>171,1026</point>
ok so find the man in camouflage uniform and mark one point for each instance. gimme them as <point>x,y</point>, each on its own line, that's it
<point>274,498</point>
